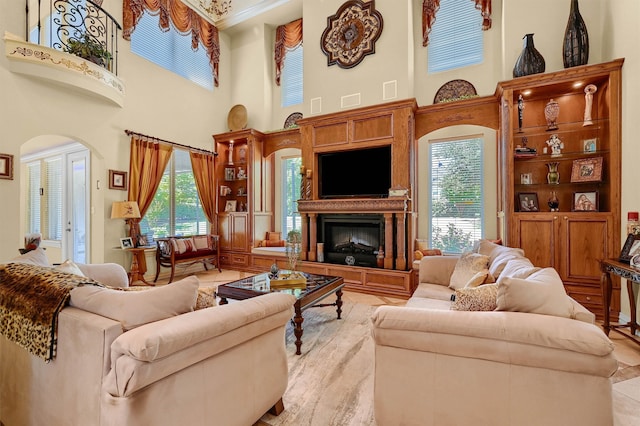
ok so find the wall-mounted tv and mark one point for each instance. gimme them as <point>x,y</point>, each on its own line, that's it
<point>356,173</point>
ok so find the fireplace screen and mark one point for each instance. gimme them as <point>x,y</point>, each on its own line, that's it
<point>352,239</point>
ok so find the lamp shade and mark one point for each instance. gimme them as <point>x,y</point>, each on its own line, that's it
<point>125,210</point>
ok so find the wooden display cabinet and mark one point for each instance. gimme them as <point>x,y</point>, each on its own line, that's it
<point>238,167</point>
<point>570,239</point>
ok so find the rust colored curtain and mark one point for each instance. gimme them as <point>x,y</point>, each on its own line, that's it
<point>430,8</point>
<point>184,19</point>
<point>288,36</point>
<point>204,174</point>
<point>146,165</point>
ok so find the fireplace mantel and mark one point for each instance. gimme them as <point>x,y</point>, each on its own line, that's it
<point>355,205</point>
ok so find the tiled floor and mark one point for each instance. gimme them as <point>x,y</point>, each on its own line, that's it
<point>626,383</point>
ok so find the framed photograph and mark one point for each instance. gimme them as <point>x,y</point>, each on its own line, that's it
<point>587,170</point>
<point>630,248</point>
<point>142,241</point>
<point>229,173</point>
<point>590,145</point>
<point>525,179</point>
<point>6,166</point>
<point>118,180</point>
<point>126,243</point>
<point>528,202</point>
<point>585,201</point>
<point>230,206</point>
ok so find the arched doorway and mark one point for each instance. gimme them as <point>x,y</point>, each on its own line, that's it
<point>55,196</point>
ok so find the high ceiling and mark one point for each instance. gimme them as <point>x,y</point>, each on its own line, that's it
<point>233,15</point>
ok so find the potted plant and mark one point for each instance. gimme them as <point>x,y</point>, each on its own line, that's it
<point>88,48</point>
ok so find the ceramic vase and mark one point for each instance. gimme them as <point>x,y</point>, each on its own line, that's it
<point>530,60</point>
<point>553,177</point>
<point>553,202</point>
<point>575,50</point>
<point>551,113</point>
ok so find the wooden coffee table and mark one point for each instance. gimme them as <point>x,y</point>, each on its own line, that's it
<point>317,288</point>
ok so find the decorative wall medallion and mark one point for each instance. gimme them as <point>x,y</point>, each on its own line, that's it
<point>351,33</point>
<point>292,120</point>
<point>455,90</point>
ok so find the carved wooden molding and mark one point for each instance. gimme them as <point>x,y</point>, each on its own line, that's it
<point>355,205</point>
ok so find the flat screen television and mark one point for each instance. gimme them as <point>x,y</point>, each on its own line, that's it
<point>357,173</point>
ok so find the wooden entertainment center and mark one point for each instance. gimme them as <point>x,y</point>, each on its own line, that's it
<point>565,239</point>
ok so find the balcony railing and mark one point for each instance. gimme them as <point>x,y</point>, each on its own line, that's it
<point>64,23</point>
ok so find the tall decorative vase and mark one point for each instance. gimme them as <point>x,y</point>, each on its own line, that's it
<point>553,177</point>
<point>530,60</point>
<point>575,49</point>
<point>551,113</point>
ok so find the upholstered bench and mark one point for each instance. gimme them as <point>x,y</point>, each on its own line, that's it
<point>186,249</point>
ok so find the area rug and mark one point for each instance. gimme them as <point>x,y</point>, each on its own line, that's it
<point>331,383</point>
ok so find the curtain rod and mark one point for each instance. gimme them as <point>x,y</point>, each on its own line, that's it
<point>153,138</point>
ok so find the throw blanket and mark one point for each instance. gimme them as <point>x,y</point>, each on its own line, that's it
<point>30,299</point>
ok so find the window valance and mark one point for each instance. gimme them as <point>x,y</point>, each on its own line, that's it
<point>184,19</point>
<point>288,36</point>
<point>430,8</point>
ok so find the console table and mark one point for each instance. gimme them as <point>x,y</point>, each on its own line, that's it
<point>632,275</point>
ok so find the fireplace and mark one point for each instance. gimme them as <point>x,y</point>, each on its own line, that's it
<point>351,239</point>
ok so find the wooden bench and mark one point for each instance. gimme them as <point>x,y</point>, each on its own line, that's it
<point>191,249</point>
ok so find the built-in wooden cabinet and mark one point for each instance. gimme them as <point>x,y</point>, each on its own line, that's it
<point>571,236</point>
<point>238,173</point>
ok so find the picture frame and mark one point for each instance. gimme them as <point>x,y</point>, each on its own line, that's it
<point>630,248</point>
<point>587,170</point>
<point>525,179</point>
<point>528,202</point>
<point>118,180</point>
<point>6,166</point>
<point>126,243</point>
<point>586,201</point>
<point>590,145</point>
<point>230,206</point>
<point>142,241</point>
<point>229,173</point>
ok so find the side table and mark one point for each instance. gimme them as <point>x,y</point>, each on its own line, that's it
<point>139,264</point>
<point>632,275</point>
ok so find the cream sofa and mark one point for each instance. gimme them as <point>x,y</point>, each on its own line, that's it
<point>537,358</point>
<point>221,365</point>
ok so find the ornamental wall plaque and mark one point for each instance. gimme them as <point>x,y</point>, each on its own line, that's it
<point>351,33</point>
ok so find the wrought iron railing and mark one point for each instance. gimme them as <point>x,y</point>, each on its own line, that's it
<point>81,27</point>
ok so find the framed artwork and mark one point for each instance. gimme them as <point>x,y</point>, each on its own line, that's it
<point>142,241</point>
<point>630,248</point>
<point>6,166</point>
<point>230,206</point>
<point>126,243</point>
<point>229,173</point>
<point>351,33</point>
<point>587,170</point>
<point>590,145</point>
<point>585,201</point>
<point>525,179</point>
<point>528,202</point>
<point>118,180</point>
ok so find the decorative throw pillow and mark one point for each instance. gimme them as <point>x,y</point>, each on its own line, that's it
<point>541,293</point>
<point>269,243</point>
<point>69,267</point>
<point>482,298</point>
<point>135,308</point>
<point>36,257</point>
<point>206,298</point>
<point>466,268</point>
<point>202,242</point>
<point>480,277</point>
<point>274,236</point>
<point>182,245</point>
<point>419,254</point>
<point>520,267</point>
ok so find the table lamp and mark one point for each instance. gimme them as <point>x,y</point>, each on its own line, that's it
<point>129,211</point>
